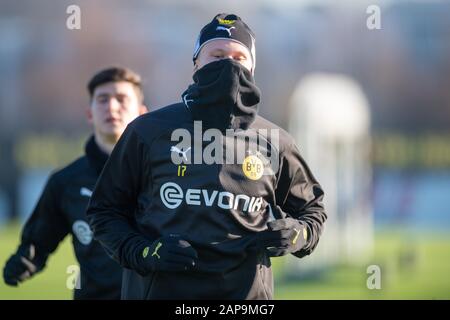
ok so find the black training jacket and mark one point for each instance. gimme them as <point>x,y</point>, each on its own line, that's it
<point>61,210</point>
<point>218,208</point>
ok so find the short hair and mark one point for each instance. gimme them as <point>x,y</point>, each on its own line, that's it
<point>116,74</point>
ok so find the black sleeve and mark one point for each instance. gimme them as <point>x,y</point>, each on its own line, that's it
<point>300,196</point>
<point>114,200</point>
<point>47,226</point>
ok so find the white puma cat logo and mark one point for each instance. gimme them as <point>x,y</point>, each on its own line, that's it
<point>225,29</point>
<point>85,192</point>
<point>182,153</point>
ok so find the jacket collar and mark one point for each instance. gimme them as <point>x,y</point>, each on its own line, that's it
<point>96,157</point>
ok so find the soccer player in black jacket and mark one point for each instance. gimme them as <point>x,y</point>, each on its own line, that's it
<point>116,98</point>
<point>185,227</point>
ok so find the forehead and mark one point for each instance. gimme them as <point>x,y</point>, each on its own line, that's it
<point>229,46</point>
<point>123,87</point>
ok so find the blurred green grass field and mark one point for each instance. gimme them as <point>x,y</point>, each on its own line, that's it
<point>412,267</point>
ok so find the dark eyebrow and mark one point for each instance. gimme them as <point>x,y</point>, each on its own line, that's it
<point>238,52</point>
<point>218,50</point>
<point>102,95</point>
<point>241,53</point>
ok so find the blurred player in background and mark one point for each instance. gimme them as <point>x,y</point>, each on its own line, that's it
<point>116,98</point>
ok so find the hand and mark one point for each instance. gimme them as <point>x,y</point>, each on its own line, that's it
<point>21,266</point>
<point>169,253</point>
<point>282,236</point>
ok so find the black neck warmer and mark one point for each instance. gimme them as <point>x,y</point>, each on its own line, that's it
<point>223,96</point>
<point>96,157</point>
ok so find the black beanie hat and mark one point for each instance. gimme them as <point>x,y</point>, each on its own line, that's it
<point>230,27</point>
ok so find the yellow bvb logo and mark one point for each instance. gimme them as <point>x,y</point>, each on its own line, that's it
<point>226,22</point>
<point>253,167</point>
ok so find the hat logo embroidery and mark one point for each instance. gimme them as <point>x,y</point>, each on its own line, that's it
<point>226,22</point>
<point>225,29</point>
